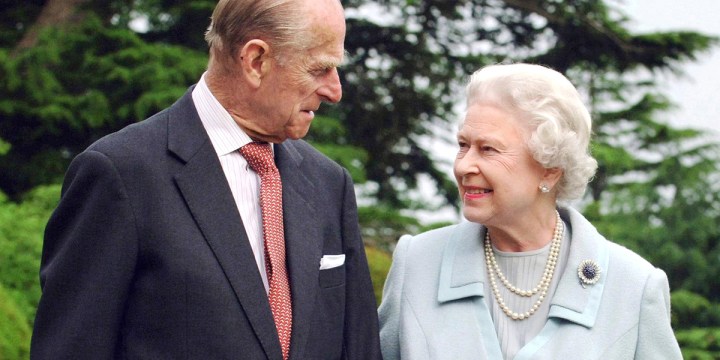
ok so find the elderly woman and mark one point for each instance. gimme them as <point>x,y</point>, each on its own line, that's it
<point>524,278</point>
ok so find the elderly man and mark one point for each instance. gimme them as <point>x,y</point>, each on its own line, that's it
<point>199,233</point>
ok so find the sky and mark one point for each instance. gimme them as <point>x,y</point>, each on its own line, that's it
<point>697,94</point>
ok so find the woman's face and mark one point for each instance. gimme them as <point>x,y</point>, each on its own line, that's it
<point>497,176</point>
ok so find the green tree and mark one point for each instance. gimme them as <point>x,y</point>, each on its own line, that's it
<point>402,79</point>
<point>71,76</point>
<point>21,227</point>
<point>14,330</point>
<point>73,86</point>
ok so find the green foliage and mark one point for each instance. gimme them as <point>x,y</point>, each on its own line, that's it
<point>690,310</point>
<point>21,232</point>
<point>382,226</point>
<point>21,229</point>
<point>15,18</point>
<point>379,262</point>
<point>656,190</point>
<point>699,343</point>
<point>401,79</point>
<point>77,85</point>
<point>665,206</point>
<point>4,147</point>
<point>168,21</point>
<point>328,135</point>
<point>14,329</point>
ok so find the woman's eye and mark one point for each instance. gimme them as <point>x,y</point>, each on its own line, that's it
<point>462,149</point>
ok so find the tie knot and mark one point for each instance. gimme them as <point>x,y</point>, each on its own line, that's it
<point>259,156</point>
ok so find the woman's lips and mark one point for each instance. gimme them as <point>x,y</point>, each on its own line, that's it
<point>477,193</point>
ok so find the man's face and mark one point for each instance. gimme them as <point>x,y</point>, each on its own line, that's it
<point>294,88</point>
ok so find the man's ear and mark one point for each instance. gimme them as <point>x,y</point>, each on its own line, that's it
<point>255,61</point>
<point>552,176</point>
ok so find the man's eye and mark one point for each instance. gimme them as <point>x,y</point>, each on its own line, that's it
<point>321,72</point>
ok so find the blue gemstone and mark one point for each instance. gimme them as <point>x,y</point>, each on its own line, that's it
<point>589,272</point>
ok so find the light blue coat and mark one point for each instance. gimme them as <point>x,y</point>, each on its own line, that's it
<point>434,304</point>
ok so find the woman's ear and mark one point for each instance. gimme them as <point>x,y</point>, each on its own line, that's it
<point>255,61</point>
<point>551,177</point>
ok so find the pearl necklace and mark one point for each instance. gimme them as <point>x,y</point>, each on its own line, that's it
<point>541,288</point>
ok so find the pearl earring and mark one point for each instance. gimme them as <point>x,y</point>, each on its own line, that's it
<point>544,189</point>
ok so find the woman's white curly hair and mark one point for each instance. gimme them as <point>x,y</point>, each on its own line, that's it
<point>552,108</point>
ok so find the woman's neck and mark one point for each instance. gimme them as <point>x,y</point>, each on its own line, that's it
<point>528,234</point>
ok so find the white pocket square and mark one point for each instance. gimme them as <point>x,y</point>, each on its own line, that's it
<point>331,261</point>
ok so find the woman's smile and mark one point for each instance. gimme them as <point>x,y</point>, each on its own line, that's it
<point>475,193</point>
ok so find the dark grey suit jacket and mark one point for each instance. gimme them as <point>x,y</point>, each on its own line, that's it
<point>146,256</point>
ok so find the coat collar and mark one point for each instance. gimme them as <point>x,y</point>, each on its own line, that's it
<point>463,272</point>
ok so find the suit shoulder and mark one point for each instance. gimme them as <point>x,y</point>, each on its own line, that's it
<point>138,136</point>
<point>309,153</point>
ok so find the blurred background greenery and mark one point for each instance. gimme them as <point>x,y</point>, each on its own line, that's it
<point>72,71</point>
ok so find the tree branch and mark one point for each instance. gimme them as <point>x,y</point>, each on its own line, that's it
<point>534,6</point>
<point>55,13</point>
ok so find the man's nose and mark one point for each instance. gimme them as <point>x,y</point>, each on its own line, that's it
<point>331,91</point>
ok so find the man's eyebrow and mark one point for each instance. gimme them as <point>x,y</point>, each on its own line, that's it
<point>332,62</point>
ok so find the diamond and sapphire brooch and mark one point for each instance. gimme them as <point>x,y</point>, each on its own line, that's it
<point>588,272</point>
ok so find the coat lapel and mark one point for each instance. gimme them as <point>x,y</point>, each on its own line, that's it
<point>303,241</point>
<point>460,275</point>
<point>572,301</point>
<point>463,276</point>
<point>204,188</point>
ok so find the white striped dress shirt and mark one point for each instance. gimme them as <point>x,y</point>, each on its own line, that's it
<point>227,137</point>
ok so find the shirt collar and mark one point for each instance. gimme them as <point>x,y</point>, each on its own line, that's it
<point>225,134</point>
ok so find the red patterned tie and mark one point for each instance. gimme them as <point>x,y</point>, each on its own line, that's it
<point>260,158</point>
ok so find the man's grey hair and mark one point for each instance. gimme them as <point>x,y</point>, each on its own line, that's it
<point>278,22</point>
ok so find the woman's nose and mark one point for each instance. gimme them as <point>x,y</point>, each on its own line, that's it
<point>466,164</point>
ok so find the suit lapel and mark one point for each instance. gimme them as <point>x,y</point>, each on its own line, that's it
<point>303,241</point>
<point>204,188</point>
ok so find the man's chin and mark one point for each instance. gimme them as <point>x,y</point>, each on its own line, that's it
<point>297,133</point>
<point>295,136</point>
